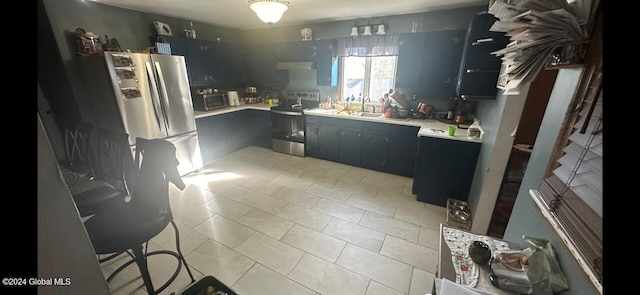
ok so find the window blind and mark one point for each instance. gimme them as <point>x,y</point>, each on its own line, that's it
<point>572,189</point>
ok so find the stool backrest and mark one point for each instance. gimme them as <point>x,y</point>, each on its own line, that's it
<point>77,145</point>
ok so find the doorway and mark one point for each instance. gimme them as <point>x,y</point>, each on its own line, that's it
<point>525,137</point>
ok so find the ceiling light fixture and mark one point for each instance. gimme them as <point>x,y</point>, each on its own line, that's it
<point>269,11</point>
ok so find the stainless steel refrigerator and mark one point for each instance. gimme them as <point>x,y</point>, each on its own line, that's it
<point>144,95</point>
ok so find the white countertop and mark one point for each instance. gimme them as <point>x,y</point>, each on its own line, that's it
<point>242,106</point>
<point>430,128</point>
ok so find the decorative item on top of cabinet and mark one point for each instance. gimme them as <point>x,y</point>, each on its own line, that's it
<point>162,28</point>
<point>88,43</point>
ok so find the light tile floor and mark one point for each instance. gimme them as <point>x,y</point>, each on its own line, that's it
<point>263,222</point>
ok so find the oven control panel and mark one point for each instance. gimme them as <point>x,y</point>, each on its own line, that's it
<point>303,95</point>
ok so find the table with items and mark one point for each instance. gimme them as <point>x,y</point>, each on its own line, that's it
<point>456,266</point>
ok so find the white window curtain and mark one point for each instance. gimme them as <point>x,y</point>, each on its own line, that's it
<point>384,45</point>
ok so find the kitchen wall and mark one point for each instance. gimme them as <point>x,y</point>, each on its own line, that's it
<point>455,19</point>
<point>63,85</point>
<point>499,120</point>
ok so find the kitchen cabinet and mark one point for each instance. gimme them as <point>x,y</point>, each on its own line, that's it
<point>378,146</point>
<point>213,137</point>
<point>231,65</point>
<point>328,139</point>
<point>215,64</point>
<point>429,62</point>
<point>261,66</point>
<point>221,134</point>
<point>479,69</point>
<point>298,51</point>
<point>440,63</point>
<point>350,141</point>
<point>259,128</point>
<point>326,62</point>
<point>311,134</point>
<point>444,169</point>
<point>374,149</point>
<point>409,65</point>
<point>402,149</point>
<point>198,61</point>
<point>322,53</point>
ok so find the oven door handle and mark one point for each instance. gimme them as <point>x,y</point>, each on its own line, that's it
<point>286,113</point>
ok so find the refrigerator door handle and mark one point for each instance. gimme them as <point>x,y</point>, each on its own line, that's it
<point>154,93</point>
<point>165,95</point>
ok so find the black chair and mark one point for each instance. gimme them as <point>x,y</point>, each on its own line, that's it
<point>128,226</point>
<point>77,165</point>
<point>110,160</point>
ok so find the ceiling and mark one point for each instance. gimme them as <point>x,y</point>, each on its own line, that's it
<point>236,14</point>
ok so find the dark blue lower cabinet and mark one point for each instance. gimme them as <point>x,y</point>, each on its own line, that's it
<point>221,134</point>
<point>262,129</point>
<point>402,150</point>
<point>328,139</point>
<point>374,150</point>
<point>350,143</point>
<point>444,169</point>
<point>377,146</point>
<point>311,134</point>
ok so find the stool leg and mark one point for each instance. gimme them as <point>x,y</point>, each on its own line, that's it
<point>141,261</point>
<point>184,261</point>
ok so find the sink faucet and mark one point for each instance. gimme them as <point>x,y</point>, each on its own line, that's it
<point>365,100</point>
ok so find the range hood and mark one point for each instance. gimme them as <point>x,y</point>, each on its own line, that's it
<point>295,65</point>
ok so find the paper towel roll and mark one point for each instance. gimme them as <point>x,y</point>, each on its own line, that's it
<point>233,98</point>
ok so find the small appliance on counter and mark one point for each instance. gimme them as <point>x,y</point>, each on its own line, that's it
<point>210,101</point>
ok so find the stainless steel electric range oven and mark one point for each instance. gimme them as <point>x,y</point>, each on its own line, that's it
<point>287,121</point>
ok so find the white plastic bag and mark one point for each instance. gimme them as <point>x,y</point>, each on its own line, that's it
<point>534,270</point>
<point>475,131</point>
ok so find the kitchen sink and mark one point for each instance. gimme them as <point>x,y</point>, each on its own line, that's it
<point>369,115</point>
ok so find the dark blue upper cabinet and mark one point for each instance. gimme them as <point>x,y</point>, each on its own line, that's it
<point>326,62</point>
<point>428,62</point>
<point>440,62</point>
<point>198,61</point>
<point>479,69</point>
<point>410,52</point>
<point>262,65</point>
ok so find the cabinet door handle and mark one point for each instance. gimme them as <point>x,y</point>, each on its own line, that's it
<point>473,70</point>
<point>368,136</point>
